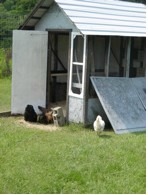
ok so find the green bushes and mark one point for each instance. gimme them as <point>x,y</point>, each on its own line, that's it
<point>5,94</point>
<point>5,62</point>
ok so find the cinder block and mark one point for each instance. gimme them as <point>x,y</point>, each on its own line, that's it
<point>58,116</point>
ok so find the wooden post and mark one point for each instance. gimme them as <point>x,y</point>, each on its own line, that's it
<point>91,53</point>
<point>48,89</point>
<point>55,68</point>
<point>108,57</point>
<point>68,79</point>
<point>132,70</point>
<point>86,81</point>
<point>128,57</point>
<point>121,57</point>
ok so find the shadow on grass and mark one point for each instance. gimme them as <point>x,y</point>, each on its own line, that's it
<point>105,136</point>
<point>5,114</point>
<point>139,133</point>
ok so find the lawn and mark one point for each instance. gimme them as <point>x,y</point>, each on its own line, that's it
<point>5,94</point>
<point>70,160</point>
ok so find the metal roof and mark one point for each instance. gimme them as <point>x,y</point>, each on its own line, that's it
<point>98,17</point>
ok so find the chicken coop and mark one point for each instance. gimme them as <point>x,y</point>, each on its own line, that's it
<point>88,55</point>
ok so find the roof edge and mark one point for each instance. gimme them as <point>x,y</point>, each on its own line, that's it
<point>36,7</point>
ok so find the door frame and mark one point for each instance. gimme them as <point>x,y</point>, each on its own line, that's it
<point>48,89</point>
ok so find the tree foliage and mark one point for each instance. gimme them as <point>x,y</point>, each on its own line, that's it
<point>12,13</point>
<point>18,6</point>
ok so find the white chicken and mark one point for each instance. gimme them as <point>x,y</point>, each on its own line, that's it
<point>99,125</point>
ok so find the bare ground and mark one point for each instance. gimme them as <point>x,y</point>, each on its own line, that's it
<point>49,127</point>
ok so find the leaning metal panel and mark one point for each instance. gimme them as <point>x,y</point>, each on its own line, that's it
<point>140,84</point>
<point>121,103</point>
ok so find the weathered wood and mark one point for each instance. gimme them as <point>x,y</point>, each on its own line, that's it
<point>121,57</point>
<point>55,67</point>
<point>68,78</point>
<point>108,57</point>
<point>48,88</point>
<point>127,69</point>
<point>85,80</point>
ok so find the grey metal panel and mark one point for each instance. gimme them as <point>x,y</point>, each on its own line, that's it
<point>140,84</point>
<point>121,103</point>
<point>94,109</point>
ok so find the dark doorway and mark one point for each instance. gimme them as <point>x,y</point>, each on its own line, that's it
<point>57,68</point>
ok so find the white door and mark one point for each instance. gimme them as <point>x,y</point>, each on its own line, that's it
<point>29,69</point>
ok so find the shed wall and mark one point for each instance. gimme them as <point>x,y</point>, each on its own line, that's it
<point>55,19</point>
<point>76,110</point>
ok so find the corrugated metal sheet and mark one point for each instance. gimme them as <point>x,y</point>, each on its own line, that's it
<point>106,17</point>
<point>98,17</point>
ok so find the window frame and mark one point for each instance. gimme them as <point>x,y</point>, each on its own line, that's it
<point>73,63</point>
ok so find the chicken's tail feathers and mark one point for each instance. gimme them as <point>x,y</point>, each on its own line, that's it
<point>42,109</point>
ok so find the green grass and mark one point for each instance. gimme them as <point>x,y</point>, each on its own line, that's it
<point>5,94</point>
<point>72,160</point>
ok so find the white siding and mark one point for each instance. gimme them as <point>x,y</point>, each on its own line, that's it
<point>106,17</point>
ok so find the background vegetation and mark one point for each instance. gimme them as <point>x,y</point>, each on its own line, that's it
<point>12,13</point>
<point>5,94</point>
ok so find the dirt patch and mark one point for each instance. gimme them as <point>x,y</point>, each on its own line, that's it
<point>49,127</point>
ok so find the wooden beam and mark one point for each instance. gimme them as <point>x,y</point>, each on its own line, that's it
<point>68,79</point>
<point>121,57</point>
<point>128,54</point>
<point>35,18</point>
<point>55,67</point>
<point>44,7</point>
<point>85,80</point>
<point>48,87</point>
<point>59,31</point>
<point>108,57</point>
